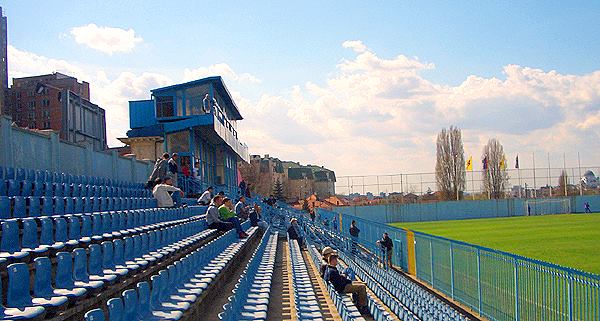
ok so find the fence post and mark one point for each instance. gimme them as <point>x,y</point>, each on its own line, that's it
<point>479,279</point>
<point>517,317</point>
<point>452,269</point>
<point>570,276</point>
<point>431,259</point>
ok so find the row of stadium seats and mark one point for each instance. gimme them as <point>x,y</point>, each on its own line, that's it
<point>79,274</point>
<point>14,187</point>
<point>174,290</point>
<point>250,299</point>
<point>44,176</point>
<point>404,297</point>
<point>307,306</point>
<point>20,207</point>
<point>20,243</point>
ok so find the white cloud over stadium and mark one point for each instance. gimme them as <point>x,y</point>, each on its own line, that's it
<point>374,115</point>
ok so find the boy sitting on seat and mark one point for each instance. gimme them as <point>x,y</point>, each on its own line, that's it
<point>344,285</point>
<point>227,215</point>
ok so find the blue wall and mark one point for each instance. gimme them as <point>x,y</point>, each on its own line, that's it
<point>454,210</point>
<point>30,150</point>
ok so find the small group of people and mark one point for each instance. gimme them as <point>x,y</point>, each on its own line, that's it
<point>223,215</point>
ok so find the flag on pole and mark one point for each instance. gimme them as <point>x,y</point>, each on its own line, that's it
<point>503,163</point>
<point>485,162</point>
<point>517,162</point>
<point>470,163</point>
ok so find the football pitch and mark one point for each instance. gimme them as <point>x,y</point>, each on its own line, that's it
<point>571,240</point>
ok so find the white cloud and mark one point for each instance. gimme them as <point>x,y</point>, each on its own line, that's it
<point>375,114</point>
<point>221,69</point>
<point>106,39</point>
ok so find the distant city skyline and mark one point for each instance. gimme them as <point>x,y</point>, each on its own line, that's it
<point>359,89</point>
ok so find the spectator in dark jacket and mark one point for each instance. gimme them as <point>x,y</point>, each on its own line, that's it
<point>387,245</point>
<point>159,172</point>
<point>344,285</point>
<point>354,233</point>
<point>295,233</point>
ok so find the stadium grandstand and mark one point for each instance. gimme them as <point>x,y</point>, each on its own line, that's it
<point>83,238</point>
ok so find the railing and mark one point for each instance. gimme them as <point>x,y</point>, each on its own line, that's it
<point>498,285</point>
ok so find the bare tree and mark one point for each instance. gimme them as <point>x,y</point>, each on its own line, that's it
<point>562,183</point>
<point>450,172</point>
<point>495,176</point>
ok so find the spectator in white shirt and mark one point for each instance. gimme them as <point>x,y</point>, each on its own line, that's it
<point>161,193</point>
<point>206,197</point>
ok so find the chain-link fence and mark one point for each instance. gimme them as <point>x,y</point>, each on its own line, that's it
<point>522,183</point>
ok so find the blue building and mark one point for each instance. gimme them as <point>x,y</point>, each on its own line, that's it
<point>198,121</point>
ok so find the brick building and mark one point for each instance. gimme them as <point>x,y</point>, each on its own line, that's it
<point>61,103</point>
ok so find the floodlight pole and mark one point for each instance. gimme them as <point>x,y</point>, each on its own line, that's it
<point>580,185</point>
<point>534,182</point>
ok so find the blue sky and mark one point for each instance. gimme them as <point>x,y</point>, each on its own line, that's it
<point>295,51</point>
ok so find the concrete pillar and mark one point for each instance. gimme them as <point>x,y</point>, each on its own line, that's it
<point>6,141</point>
<point>55,152</point>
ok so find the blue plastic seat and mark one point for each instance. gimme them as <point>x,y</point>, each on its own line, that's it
<point>47,235</point>
<point>38,189</point>
<point>49,189</point>
<point>59,205</point>
<point>130,306</point>
<point>4,207</point>
<point>108,264</point>
<point>69,205</point>
<point>156,302</point>
<point>94,315</point>
<point>115,309</point>
<point>30,174</point>
<point>42,285</point>
<point>47,206</point>
<point>87,205</point>
<point>58,189</point>
<point>26,313</point>
<point>19,292</point>
<point>20,174</point>
<point>30,241</point>
<point>34,205</point>
<point>14,187</point>
<point>10,244</point>
<point>26,188</point>
<point>78,205</point>
<point>80,272</point>
<point>10,173</point>
<point>75,231</point>
<point>3,187</point>
<point>61,233</point>
<point>40,176</point>
<point>19,207</point>
<point>119,257</point>
<point>96,272</point>
<point>65,285</point>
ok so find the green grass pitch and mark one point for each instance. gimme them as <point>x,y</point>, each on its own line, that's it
<point>571,240</point>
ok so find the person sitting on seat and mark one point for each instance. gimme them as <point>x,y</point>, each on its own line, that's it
<point>295,233</point>
<point>212,216</point>
<point>326,252</point>
<point>256,217</point>
<point>344,285</point>
<point>161,193</point>
<point>227,215</point>
<point>205,198</point>
<point>241,210</point>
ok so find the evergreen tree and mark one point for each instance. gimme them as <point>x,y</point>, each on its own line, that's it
<point>278,190</point>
